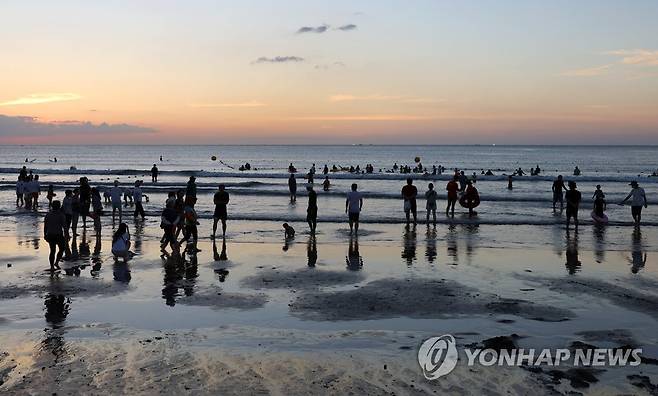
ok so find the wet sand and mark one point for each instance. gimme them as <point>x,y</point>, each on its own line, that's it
<point>330,315</point>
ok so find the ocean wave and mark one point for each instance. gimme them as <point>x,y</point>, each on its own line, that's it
<point>332,175</point>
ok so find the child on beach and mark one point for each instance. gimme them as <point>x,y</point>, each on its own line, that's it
<point>289,232</point>
<point>121,242</point>
<point>50,195</point>
<point>431,196</point>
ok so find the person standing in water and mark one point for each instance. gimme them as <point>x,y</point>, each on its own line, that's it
<point>75,211</point>
<point>452,187</point>
<point>312,210</point>
<point>599,201</point>
<point>558,185</point>
<point>472,197</point>
<point>326,183</point>
<point>509,182</point>
<point>573,198</point>
<point>20,190</point>
<point>431,196</point>
<point>85,200</point>
<point>190,190</point>
<point>292,187</point>
<point>154,174</point>
<point>353,206</point>
<point>53,233</point>
<point>137,197</point>
<point>409,193</point>
<point>638,199</point>
<point>115,197</point>
<point>220,199</point>
<point>191,223</point>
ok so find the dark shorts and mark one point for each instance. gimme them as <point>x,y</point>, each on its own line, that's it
<point>56,241</point>
<point>572,212</point>
<point>557,196</point>
<point>413,207</point>
<point>636,210</point>
<point>354,216</point>
<point>311,214</point>
<point>220,213</point>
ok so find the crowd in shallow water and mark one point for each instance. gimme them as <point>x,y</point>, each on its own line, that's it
<point>179,219</point>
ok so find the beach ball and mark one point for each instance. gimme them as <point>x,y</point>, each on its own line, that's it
<point>214,158</point>
<point>417,159</point>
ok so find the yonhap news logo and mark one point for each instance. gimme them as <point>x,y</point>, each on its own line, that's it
<point>438,357</point>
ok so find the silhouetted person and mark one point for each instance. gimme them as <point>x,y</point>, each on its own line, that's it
<point>353,259</point>
<point>326,183</point>
<point>312,251</point>
<point>221,200</point>
<point>576,171</point>
<point>54,233</point>
<point>409,193</point>
<point>353,206</point>
<point>599,201</point>
<point>472,198</point>
<point>121,242</point>
<point>509,182</point>
<point>312,210</point>
<point>638,199</point>
<point>573,264</point>
<point>288,231</point>
<point>154,174</point>
<point>558,185</point>
<point>431,196</point>
<point>452,187</point>
<point>573,198</point>
<point>292,187</point>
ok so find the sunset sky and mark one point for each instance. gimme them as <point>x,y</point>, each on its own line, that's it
<point>280,71</point>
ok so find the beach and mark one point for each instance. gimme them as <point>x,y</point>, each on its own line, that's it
<point>332,313</point>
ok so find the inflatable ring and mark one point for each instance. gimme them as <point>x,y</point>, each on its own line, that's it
<point>474,203</point>
<point>214,158</point>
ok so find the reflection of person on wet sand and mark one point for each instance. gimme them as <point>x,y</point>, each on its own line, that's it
<point>312,251</point>
<point>573,264</point>
<point>57,307</point>
<point>353,259</point>
<point>219,256</point>
<point>451,242</point>
<point>409,247</point>
<point>638,257</point>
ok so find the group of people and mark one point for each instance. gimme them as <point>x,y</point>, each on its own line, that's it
<point>179,214</point>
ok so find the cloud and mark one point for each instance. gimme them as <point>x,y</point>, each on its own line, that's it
<point>640,57</point>
<point>39,98</point>
<point>252,103</point>
<point>347,27</point>
<point>32,126</point>
<point>328,66</point>
<point>312,29</point>
<point>375,117</point>
<point>278,59</point>
<point>384,98</point>
<point>587,72</point>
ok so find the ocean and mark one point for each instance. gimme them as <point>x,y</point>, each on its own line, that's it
<point>261,193</point>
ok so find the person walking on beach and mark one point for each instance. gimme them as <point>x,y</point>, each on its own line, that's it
<point>312,210</point>
<point>472,198</point>
<point>169,222</point>
<point>137,198</point>
<point>50,195</point>
<point>558,185</point>
<point>220,199</point>
<point>121,242</point>
<point>573,198</point>
<point>431,196</point>
<point>353,206</point>
<point>191,223</point>
<point>75,211</point>
<point>409,193</point>
<point>85,200</point>
<point>154,174</point>
<point>97,206</point>
<point>67,208</point>
<point>115,197</point>
<point>190,191</point>
<point>452,187</point>
<point>292,186</point>
<point>638,199</point>
<point>20,190</point>
<point>53,233</point>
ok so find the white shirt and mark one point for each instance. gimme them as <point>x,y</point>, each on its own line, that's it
<point>116,193</point>
<point>354,198</point>
<point>637,196</point>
